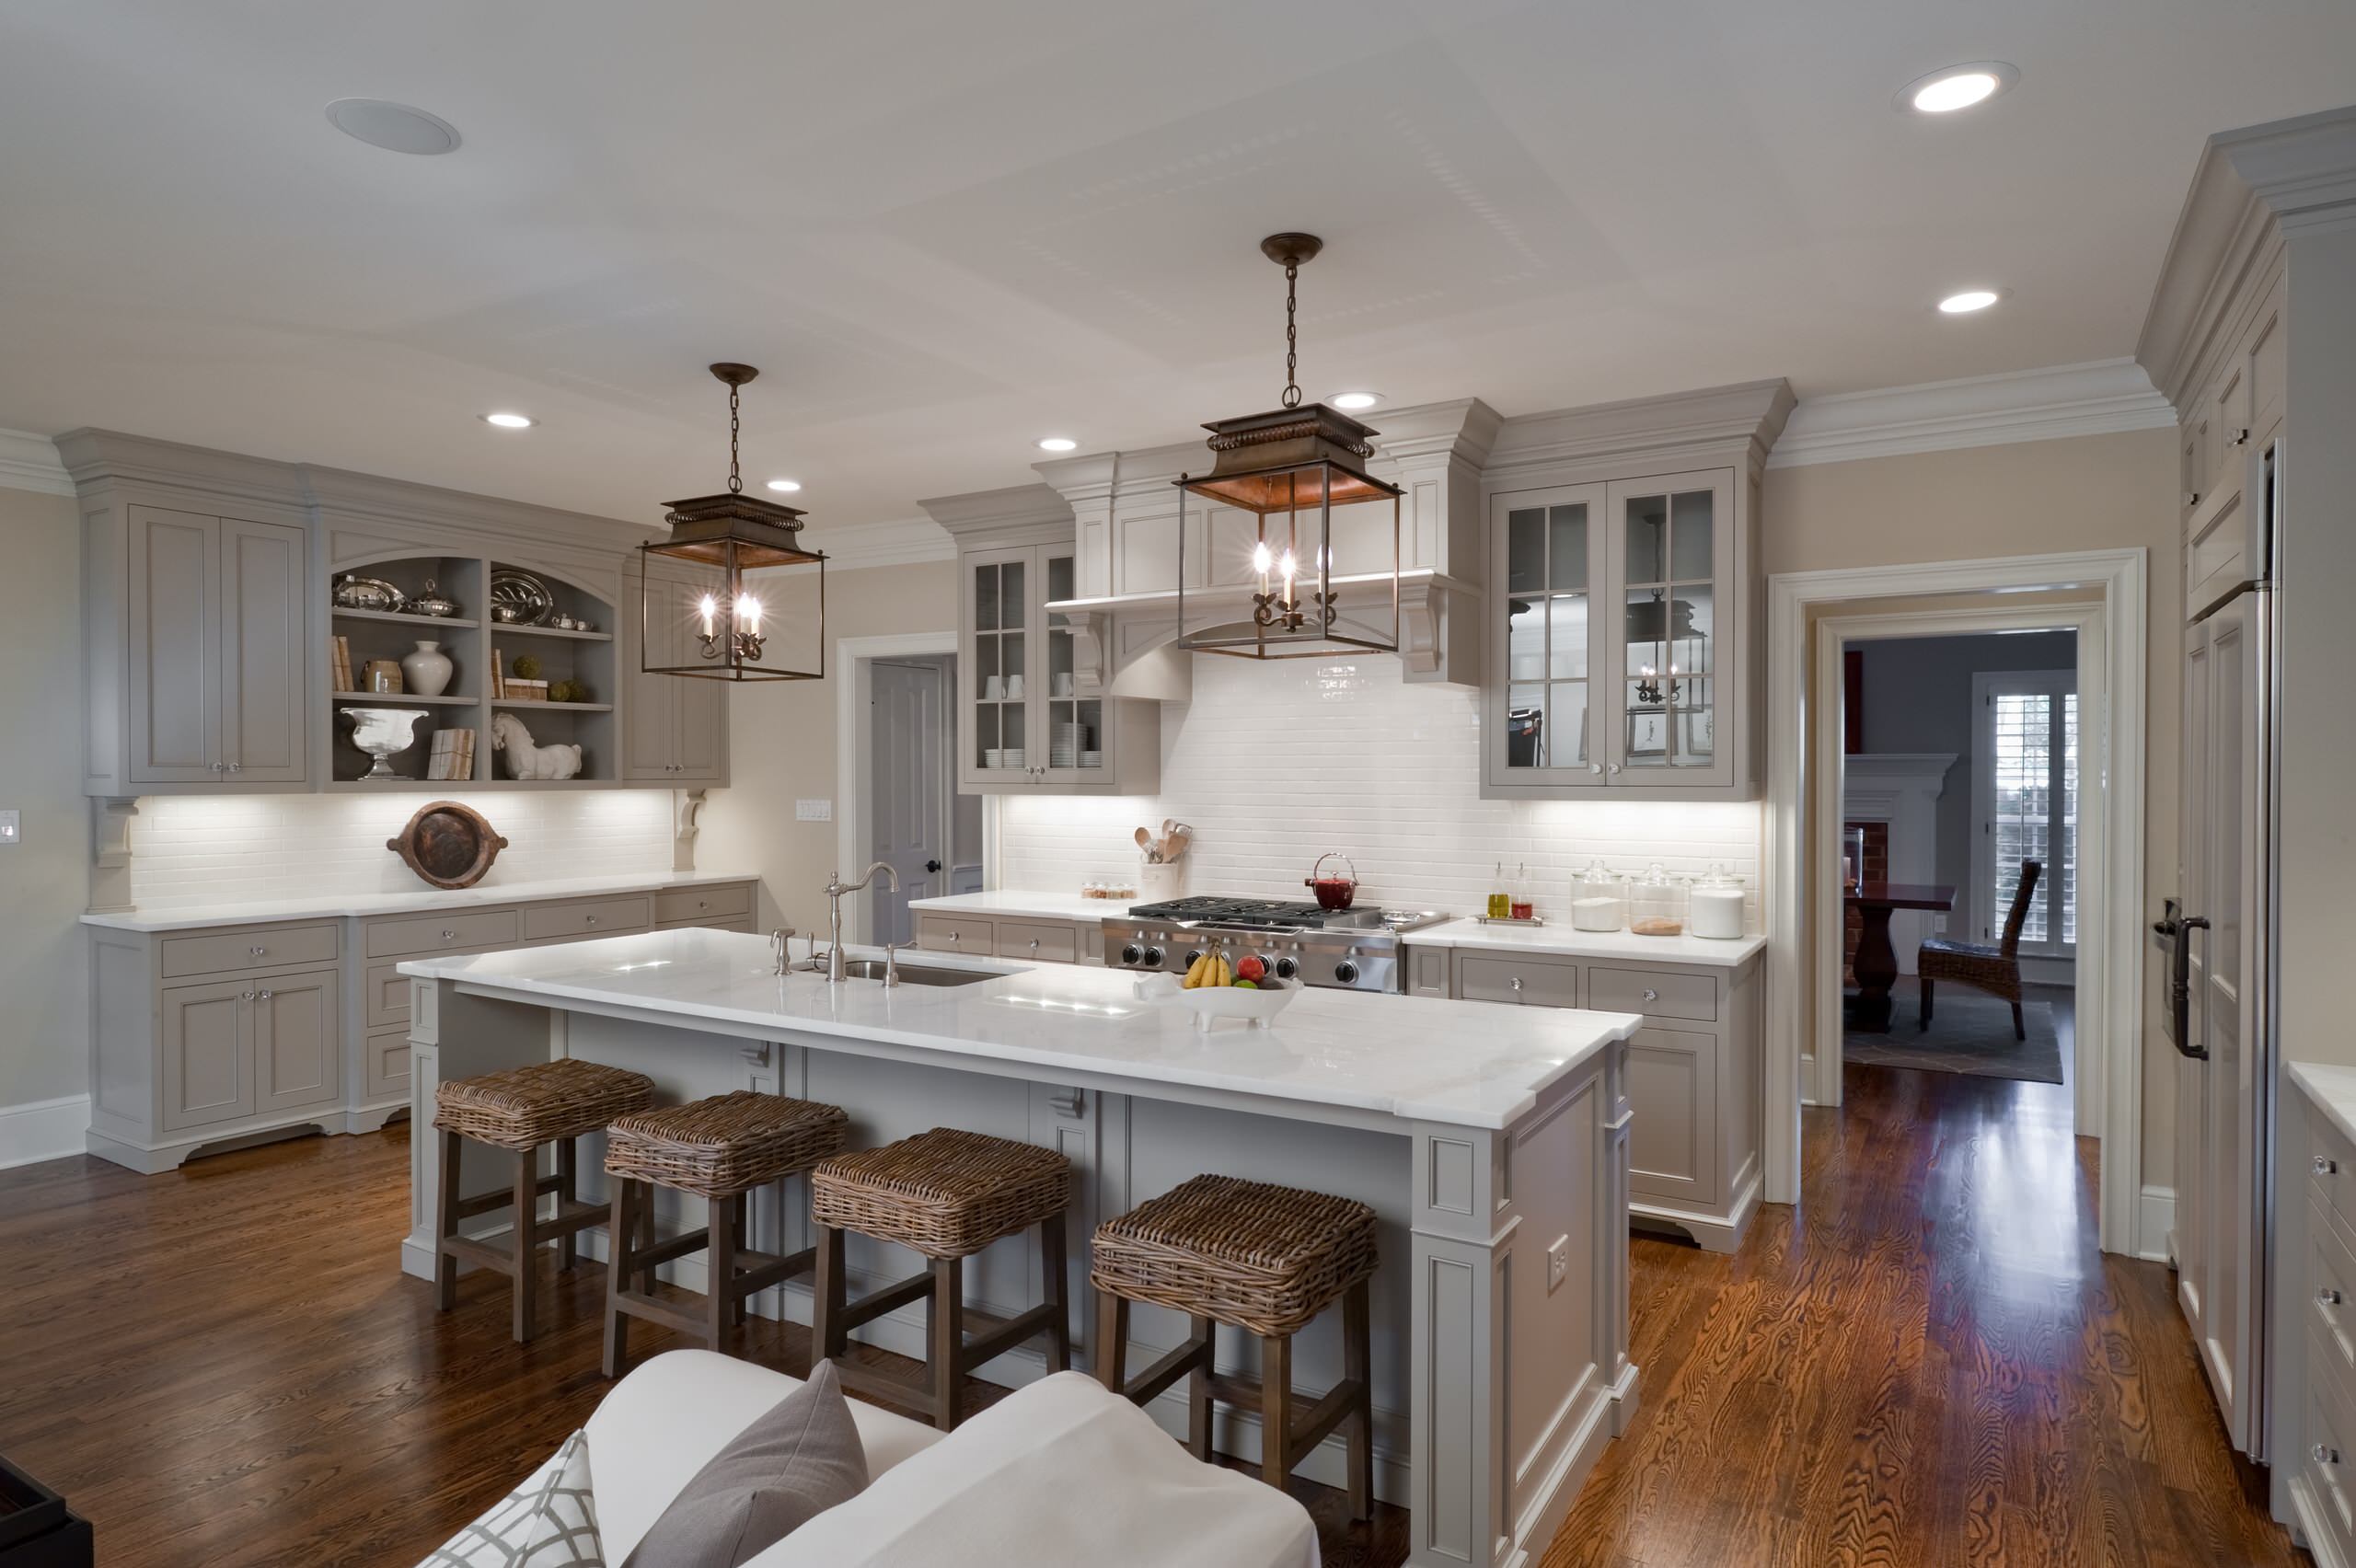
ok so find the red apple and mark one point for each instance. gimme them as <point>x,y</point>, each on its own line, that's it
<point>1251,967</point>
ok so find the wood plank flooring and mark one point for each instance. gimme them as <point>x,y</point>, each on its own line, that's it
<point>1927,1363</point>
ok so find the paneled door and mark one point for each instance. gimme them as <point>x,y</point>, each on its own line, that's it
<point>296,1043</point>
<point>262,664</point>
<point>1547,696</point>
<point>907,784</point>
<point>174,608</point>
<point>1671,560</point>
<point>996,668</point>
<point>208,1066</point>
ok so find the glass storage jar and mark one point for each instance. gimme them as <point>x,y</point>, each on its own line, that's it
<point>1715,906</point>
<point>1598,900</point>
<point>1656,904</point>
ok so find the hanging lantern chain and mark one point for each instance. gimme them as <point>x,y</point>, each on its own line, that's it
<point>735,480</point>
<point>1292,338</point>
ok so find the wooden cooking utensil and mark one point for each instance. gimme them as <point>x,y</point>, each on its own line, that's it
<point>1175,844</point>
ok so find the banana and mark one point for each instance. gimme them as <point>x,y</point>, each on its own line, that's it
<point>1226,973</point>
<point>1194,971</point>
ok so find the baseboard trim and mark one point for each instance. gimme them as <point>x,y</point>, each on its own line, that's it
<point>45,1129</point>
<point>2155,1224</point>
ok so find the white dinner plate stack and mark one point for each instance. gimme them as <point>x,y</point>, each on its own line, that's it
<point>1064,749</point>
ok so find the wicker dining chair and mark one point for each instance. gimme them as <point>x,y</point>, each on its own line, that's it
<point>1995,969</point>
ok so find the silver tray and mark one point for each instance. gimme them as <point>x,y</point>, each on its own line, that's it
<point>526,598</point>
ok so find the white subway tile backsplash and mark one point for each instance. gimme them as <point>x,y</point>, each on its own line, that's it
<point>189,849</point>
<point>1276,764</point>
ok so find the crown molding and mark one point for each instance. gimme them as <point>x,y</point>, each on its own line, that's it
<point>908,542</point>
<point>2095,398</point>
<point>1681,426</point>
<point>1014,506</point>
<point>2250,187</point>
<point>29,462</point>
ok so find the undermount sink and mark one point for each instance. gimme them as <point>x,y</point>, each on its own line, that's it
<point>914,974</point>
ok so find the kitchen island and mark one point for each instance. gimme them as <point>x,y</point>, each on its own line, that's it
<point>1491,1141</point>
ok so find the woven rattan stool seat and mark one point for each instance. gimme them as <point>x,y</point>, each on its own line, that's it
<point>538,1103</point>
<point>947,1193</point>
<point>727,1144</point>
<point>1261,1257</point>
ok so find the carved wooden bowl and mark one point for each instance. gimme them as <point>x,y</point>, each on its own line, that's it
<point>447,845</point>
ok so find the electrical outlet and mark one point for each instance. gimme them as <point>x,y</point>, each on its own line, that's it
<point>1939,924</point>
<point>814,810</point>
<point>1558,1264</point>
<point>11,835</point>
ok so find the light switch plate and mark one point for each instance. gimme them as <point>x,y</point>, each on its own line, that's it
<point>814,810</point>
<point>11,834</point>
<point>1558,1264</point>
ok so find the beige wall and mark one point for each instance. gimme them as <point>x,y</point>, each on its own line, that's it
<point>2030,498</point>
<point>781,746</point>
<point>43,881</point>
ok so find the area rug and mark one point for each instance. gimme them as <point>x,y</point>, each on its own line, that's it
<point>1970,1033</point>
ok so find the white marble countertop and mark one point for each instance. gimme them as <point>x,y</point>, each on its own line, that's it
<point>2333,1091</point>
<point>1564,942</point>
<point>1467,1063</point>
<point>1017,905</point>
<point>356,904</point>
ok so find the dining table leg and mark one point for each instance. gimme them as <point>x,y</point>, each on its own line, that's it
<point>1876,968</point>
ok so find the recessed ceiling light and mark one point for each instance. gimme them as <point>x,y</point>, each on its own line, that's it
<point>1357,400</point>
<point>1957,86</point>
<point>788,486</point>
<point>396,127</point>
<point>1966,302</point>
<point>1057,444</point>
<point>509,422</point>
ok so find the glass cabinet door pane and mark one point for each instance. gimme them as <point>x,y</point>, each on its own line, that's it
<point>1566,548</point>
<point>1647,539</point>
<point>1566,635</point>
<point>1526,550</point>
<point>1566,702</point>
<point>1059,578</point>
<point>985,593</point>
<point>1525,639</point>
<point>1012,602</point>
<point>1526,725</point>
<point>1692,642</point>
<point>1689,536</point>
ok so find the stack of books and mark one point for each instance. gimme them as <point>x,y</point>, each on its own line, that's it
<point>452,755</point>
<point>515,690</point>
<point>342,655</point>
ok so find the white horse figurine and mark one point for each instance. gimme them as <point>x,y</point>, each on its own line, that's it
<point>525,760</point>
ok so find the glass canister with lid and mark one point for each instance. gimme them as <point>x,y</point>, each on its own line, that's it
<point>1598,900</point>
<point>1656,904</point>
<point>1715,907</point>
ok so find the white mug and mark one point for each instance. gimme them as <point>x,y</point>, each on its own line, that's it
<point>992,688</point>
<point>1015,689</point>
<point>1063,684</point>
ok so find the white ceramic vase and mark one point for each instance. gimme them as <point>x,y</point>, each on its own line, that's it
<point>426,671</point>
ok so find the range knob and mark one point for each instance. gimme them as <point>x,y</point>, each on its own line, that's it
<point>1132,953</point>
<point>1193,956</point>
<point>1346,973</point>
<point>1287,968</point>
<point>1153,958</point>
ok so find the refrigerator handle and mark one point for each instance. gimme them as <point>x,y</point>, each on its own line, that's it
<point>2180,985</point>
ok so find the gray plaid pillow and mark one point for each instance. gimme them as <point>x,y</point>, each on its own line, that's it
<point>550,1521</point>
<point>795,1462</point>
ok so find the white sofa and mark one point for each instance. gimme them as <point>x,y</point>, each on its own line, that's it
<point>1059,1472</point>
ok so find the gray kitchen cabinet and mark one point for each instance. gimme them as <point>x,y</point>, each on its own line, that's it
<point>211,616</point>
<point>673,727</point>
<point>297,1041</point>
<point>206,1061</point>
<point>1693,1073</point>
<point>1020,936</point>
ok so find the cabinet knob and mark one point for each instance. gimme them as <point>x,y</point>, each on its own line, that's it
<point>1615,767</point>
<point>956,937</point>
<point>2324,1454</point>
<point>263,996</point>
<point>1517,985</point>
<point>2325,1165</point>
<point>257,950</point>
<point>449,936</point>
<point>1595,767</point>
<point>588,919</point>
<point>248,995</point>
<point>1034,944</point>
<point>2326,1297</point>
<point>1652,996</point>
<point>2241,438</point>
<point>703,903</point>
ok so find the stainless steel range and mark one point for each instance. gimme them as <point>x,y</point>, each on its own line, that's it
<point>1345,949</point>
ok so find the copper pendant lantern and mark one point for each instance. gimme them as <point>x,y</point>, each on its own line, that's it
<point>1289,470</point>
<point>699,613</point>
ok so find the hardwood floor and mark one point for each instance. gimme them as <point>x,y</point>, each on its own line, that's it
<point>1927,1363</point>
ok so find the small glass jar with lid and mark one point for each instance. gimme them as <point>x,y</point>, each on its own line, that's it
<point>1599,899</point>
<point>1656,904</point>
<point>1715,908</point>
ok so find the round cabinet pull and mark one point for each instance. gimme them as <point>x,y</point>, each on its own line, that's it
<point>2326,1297</point>
<point>1595,767</point>
<point>588,919</point>
<point>956,937</point>
<point>701,905</point>
<point>1651,996</point>
<point>1615,767</point>
<point>449,936</point>
<point>263,996</point>
<point>2325,1165</point>
<point>258,951</point>
<point>248,995</point>
<point>1517,984</point>
<point>235,765</point>
<point>1034,944</point>
<point>2324,1454</point>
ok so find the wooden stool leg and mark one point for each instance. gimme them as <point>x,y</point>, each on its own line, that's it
<point>1926,1001</point>
<point>1358,1365</point>
<point>948,1326</point>
<point>720,1316</point>
<point>2020,1028</point>
<point>645,1210</point>
<point>445,1224</point>
<point>1112,1352</point>
<point>1276,1409</point>
<point>1051,1257</point>
<point>620,1232</point>
<point>736,1306</point>
<point>827,1337</point>
<point>568,1184</point>
<point>1199,1390</point>
<point>526,1230</point>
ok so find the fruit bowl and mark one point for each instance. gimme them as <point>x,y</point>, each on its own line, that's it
<point>1257,1007</point>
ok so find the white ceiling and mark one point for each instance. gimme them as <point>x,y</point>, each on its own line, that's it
<point>945,228</point>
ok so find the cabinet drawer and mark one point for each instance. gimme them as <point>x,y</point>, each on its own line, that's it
<point>2331,1291</point>
<point>1038,939</point>
<point>740,923</point>
<point>1652,992</point>
<point>702,906</point>
<point>953,933</point>
<point>2332,1171</point>
<point>257,947</point>
<point>1537,983</point>
<point>385,1062</point>
<point>598,917</point>
<point>412,935</point>
<point>2323,1458</point>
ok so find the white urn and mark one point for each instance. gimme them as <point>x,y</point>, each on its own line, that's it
<point>426,671</point>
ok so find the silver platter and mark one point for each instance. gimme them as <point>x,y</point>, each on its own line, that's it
<point>526,597</point>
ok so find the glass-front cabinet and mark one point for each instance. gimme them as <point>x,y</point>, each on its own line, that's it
<point>1035,713</point>
<point>1612,609</point>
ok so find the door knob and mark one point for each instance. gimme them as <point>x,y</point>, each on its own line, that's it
<point>932,865</point>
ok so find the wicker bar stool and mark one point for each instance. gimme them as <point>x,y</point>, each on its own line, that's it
<point>1261,1257</point>
<point>946,1194</point>
<point>720,1150</point>
<point>523,1109</point>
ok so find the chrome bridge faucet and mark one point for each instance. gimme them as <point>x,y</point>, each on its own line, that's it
<point>835,888</point>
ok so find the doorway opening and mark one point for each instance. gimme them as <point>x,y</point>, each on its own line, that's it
<point>897,777</point>
<point>1960,862</point>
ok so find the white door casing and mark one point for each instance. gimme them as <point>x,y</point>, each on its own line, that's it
<point>853,690</point>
